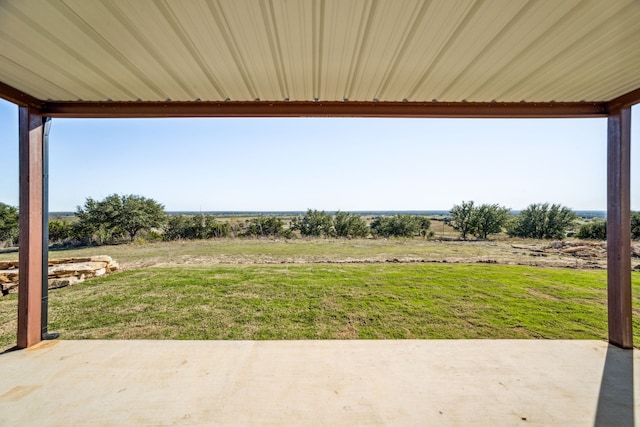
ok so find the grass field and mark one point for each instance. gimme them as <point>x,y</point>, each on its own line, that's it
<point>330,301</point>
<point>257,251</point>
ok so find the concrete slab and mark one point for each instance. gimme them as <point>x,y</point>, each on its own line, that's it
<point>335,383</point>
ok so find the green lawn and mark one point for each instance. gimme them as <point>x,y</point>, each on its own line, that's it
<point>331,301</point>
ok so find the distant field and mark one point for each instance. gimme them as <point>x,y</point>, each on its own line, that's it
<point>330,289</point>
<point>264,251</point>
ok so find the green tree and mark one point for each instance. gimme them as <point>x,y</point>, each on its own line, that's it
<point>462,218</point>
<point>400,225</point>
<point>381,226</point>
<point>216,229</point>
<point>488,219</point>
<point>60,230</point>
<point>177,228</point>
<point>635,225</point>
<point>117,216</point>
<point>350,225</point>
<point>265,226</point>
<point>593,230</point>
<point>198,227</point>
<point>314,224</point>
<point>92,225</point>
<point>192,227</point>
<point>8,224</point>
<point>97,221</point>
<point>543,221</point>
<point>139,213</point>
<point>425,225</point>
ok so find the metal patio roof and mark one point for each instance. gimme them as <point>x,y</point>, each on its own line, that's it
<point>57,53</point>
<point>391,58</point>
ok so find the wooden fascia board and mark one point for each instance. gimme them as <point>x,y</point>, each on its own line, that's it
<point>324,109</point>
<point>626,100</point>
<point>19,97</point>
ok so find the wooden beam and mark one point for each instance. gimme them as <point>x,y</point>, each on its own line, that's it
<point>324,109</point>
<point>619,227</point>
<point>19,98</point>
<point>626,100</point>
<point>31,134</point>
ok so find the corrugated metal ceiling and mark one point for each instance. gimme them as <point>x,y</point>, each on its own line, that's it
<point>328,50</point>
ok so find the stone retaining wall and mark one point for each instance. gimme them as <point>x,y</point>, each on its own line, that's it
<point>62,272</point>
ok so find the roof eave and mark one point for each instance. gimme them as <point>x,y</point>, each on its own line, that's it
<point>142,109</point>
<point>325,109</point>
<point>19,97</point>
<point>626,100</point>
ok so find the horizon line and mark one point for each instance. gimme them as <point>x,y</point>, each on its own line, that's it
<point>195,211</point>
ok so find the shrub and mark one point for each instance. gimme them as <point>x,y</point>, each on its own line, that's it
<point>314,224</point>
<point>193,227</point>
<point>60,231</point>
<point>400,226</point>
<point>8,224</point>
<point>350,225</point>
<point>596,230</point>
<point>265,226</point>
<point>635,225</point>
<point>543,221</point>
<point>481,221</point>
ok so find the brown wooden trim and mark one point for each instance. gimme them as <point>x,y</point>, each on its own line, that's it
<point>18,97</point>
<point>31,214</point>
<point>619,228</point>
<point>324,109</point>
<point>626,100</point>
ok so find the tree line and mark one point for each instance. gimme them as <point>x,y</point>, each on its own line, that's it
<point>121,218</point>
<point>537,221</point>
<point>597,230</point>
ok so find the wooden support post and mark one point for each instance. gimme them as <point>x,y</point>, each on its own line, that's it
<point>619,227</point>
<point>31,137</point>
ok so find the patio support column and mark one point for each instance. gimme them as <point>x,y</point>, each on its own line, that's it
<point>31,145</point>
<point>619,227</point>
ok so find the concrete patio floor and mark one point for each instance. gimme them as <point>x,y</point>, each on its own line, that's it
<point>292,383</point>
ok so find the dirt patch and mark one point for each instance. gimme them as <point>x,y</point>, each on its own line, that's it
<point>349,332</point>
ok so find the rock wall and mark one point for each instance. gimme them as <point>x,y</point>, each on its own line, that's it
<point>62,272</point>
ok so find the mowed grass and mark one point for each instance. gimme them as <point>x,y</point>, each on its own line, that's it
<point>331,301</point>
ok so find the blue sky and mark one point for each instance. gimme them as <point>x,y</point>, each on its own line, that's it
<point>323,163</point>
